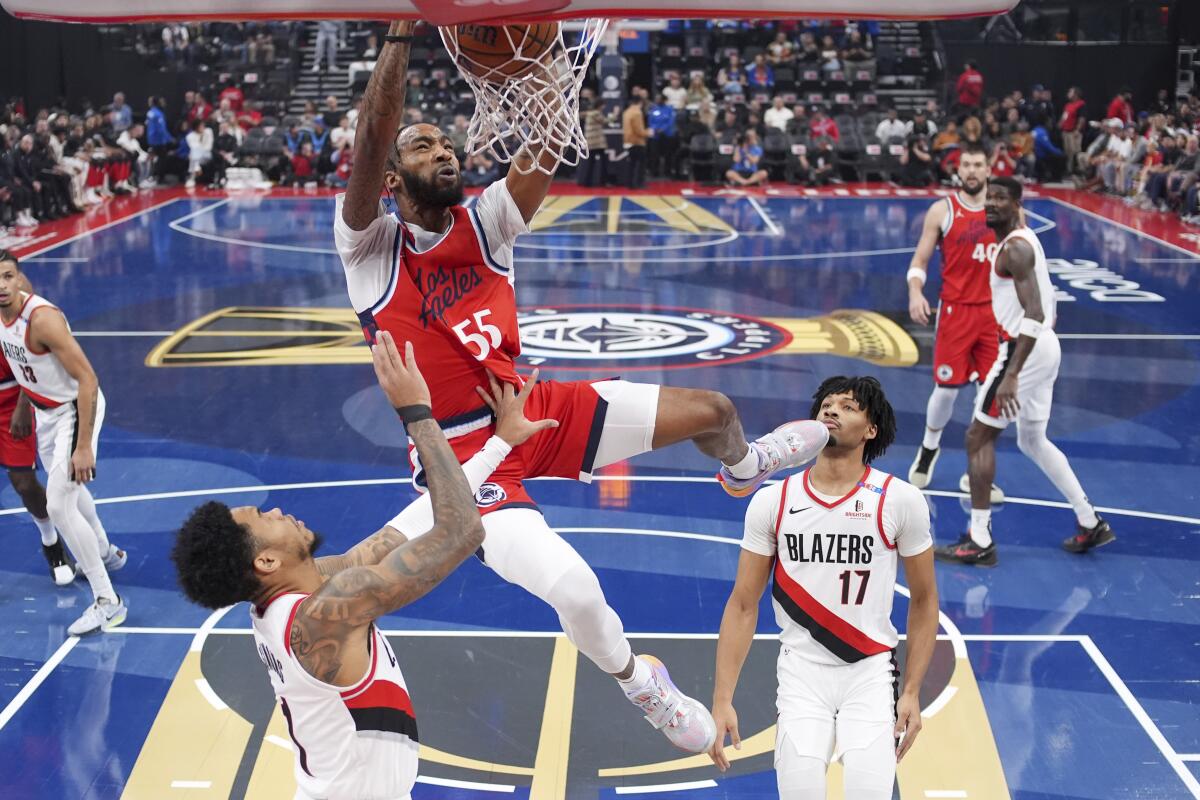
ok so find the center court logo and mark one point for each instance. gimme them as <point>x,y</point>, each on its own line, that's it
<point>589,337</point>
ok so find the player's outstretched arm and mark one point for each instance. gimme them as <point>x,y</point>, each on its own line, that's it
<point>733,644</point>
<point>378,121</point>
<point>931,231</point>
<point>49,331</point>
<point>922,638</point>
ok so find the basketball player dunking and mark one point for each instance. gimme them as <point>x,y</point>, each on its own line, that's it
<point>832,537</point>
<point>965,344</point>
<point>441,276</point>
<point>1020,384</point>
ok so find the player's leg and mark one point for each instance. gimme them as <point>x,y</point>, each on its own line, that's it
<point>866,722</point>
<point>949,374</point>
<point>114,557</point>
<point>804,729</point>
<point>521,548</point>
<point>985,348</point>
<point>33,495</point>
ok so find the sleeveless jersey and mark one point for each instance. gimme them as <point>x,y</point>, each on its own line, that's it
<point>41,375</point>
<point>968,245</point>
<point>1005,304</point>
<point>455,302</point>
<point>350,743</point>
<point>834,574</point>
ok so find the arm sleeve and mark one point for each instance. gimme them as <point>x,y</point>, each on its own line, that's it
<point>501,221</point>
<point>759,535</point>
<point>906,519</point>
<point>367,255</point>
<point>480,466</point>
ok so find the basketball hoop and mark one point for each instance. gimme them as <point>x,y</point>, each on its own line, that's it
<point>529,101</point>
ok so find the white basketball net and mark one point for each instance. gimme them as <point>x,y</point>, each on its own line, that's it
<point>536,109</point>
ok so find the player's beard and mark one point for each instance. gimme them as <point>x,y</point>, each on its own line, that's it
<point>426,193</point>
<point>315,544</point>
<point>978,187</point>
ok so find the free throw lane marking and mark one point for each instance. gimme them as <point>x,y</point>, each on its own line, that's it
<point>554,742</point>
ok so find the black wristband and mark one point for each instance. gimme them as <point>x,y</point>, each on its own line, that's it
<point>398,39</point>
<point>411,414</point>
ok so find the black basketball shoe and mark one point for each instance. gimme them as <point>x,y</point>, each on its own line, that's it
<point>1087,538</point>
<point>921,471</point>
<point>62,566</point>
<point>966,551</point>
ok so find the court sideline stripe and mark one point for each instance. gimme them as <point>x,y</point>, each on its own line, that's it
<point>33,683</point>
<point>281,487</point>
<point>762,212</point>
<point>47,248</point>
<point>1123,226</point>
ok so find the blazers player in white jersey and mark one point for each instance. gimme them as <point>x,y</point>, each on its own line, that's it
<point>1020,385</point>
<point>348,710</point>
<point>830,539</point>
<point>55,375</point>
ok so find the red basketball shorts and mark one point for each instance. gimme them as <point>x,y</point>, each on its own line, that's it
<point>966,343</point>
<point>14,453</point>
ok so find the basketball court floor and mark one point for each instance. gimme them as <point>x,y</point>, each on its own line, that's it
<point>233,368</point>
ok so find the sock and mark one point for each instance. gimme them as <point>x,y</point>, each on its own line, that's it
<point>981,526</point>
<point>46,529</point>
<point>746,468</point>
<point>937,414</point>
<point>640,677</point>
<point>87,507</point>
<point>1031,438</point>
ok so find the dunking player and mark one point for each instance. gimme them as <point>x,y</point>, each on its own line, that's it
<point>832,537</point>
<point>441,276</point>
<point>1020,384</point>
<point>18,455</point>
<point>53,371</point>
<point>965,344</point>
<point>339,685</point>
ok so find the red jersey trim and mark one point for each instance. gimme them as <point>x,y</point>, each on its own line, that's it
<point>365,683</point>
<point>835,503</point>
<point>826,619</point>
<point>782,502</point>
<point>28,344</point>
<point>20,311</point>
<point>394,278</point>
<point>879,514</point>
<point>44,403</point>
<point>481,238</point>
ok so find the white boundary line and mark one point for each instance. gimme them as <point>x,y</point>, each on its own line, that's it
<point>1139,713</point>
<point>666,787</point>
<point>1189,756</point>
<point>762,212</point>
<point>50,246</point>
<point>33,683</point>
<point>1123,226</point>
<point>79,334</point>
<point>1133,336</point>
<point>481,787</point>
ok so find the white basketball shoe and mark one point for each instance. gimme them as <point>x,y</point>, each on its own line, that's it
<point>102,615</point>
<point>685,722</point>
<point>788,446</point>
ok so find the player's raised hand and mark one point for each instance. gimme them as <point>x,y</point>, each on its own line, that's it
<point>727,723</point>
<point>908,722</point>
<point>399,377</point>
<point>509,407</point>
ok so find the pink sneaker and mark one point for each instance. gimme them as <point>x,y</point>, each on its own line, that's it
<point>685,722</point>
<point>788,446</point>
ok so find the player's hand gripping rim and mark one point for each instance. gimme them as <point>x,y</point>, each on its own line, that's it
<point>509,407</point>
<point>908,723</point>
<point>727,723</point>
<point>399,378</point>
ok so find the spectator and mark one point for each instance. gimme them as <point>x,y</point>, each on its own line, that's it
<point>1071,126</point>
<point>175,39</point>
<point>121,116</point>
<point>303,166</point>
<point>25,170</point>
<point>634,135</point>
<point>706,115</point>
<point>1021,145</point>
<point>823,125</point>
<point>480,170</point>
<point>458,132</point>
<point>676,95</point>
<point>747,153</point>
<point>890,127</point>
<point>158,135</point>
<point>1121,107</point>
<point>810,53</point>
<point>920,125</point>
<point>332,114</point>
<point>663,145</point>
<point>199,108</point>
<point>830,58</point>
<point>1049,161</point>
<point>1182,180</point>
<point>780,50</point>
<point>199,145</point>
<point>592,172</point>
<point>1002,164</point>
<point>916,162</point>
<point>261,49</point>
<point>1162,103</point>
<point>329,34</point>
<point>732,73</point>
<point>759,75</point>
<point>797,127</point>
<point>1158,168</point>
<point>1117,155</point>
<point>697,93</point>
<point>822,162</point>
<point>857,49</point>
<point>969,88</point>
<point>778,115</point>
<point>130,142</point>
<point>236,97</point>
<point>947,138</point>
<point>224,153</point>
<point>992,130</point>
<point>343,162</point>
<point>1040,109</point>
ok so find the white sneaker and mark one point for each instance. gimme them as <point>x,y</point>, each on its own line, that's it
<point>964,485</point>
<point>26,220</point>
<point>316,67</point>
<point>921,471</point>
<point>62,566</point>
<point>685,722</point>
<point>191,183</point>
<point>102,615</point>
<point>789,445</point>
<point>115,558</point>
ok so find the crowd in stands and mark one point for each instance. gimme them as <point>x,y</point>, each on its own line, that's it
<point>741,121</point>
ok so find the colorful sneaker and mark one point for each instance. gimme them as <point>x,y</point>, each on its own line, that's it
<point>964,485</point>
<point>115,558</point>
<point>789,445</point>
<point>966,551</point>
<point>685,722</point>
<point>102,615</point>
<point>1087,538</point>
<point>62,566</point>
<point>921,471</point>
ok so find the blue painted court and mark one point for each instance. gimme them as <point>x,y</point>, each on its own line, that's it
<point>221,332</point>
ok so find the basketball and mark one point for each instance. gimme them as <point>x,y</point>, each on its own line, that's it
<point>500,52</point>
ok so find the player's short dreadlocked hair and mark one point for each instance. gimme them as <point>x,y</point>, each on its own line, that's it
<point>868,393</point>
<point>214,558</point>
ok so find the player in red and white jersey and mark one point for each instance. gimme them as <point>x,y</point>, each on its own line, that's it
<point>339,684</point>
<point>442,276</point>
<point>1020,384</point>
<point>830,540</point>
<point>18,455</point>
<point>965,338</point>
<point>53,372</point>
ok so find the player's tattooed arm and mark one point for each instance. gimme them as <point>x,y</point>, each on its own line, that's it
<point>368,552</point>
<point>378,122</point>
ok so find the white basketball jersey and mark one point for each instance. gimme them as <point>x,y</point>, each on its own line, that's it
<point>1005,304</point>
<point>41,375</point>
<point>355,743</point>
<point>835,568</point>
